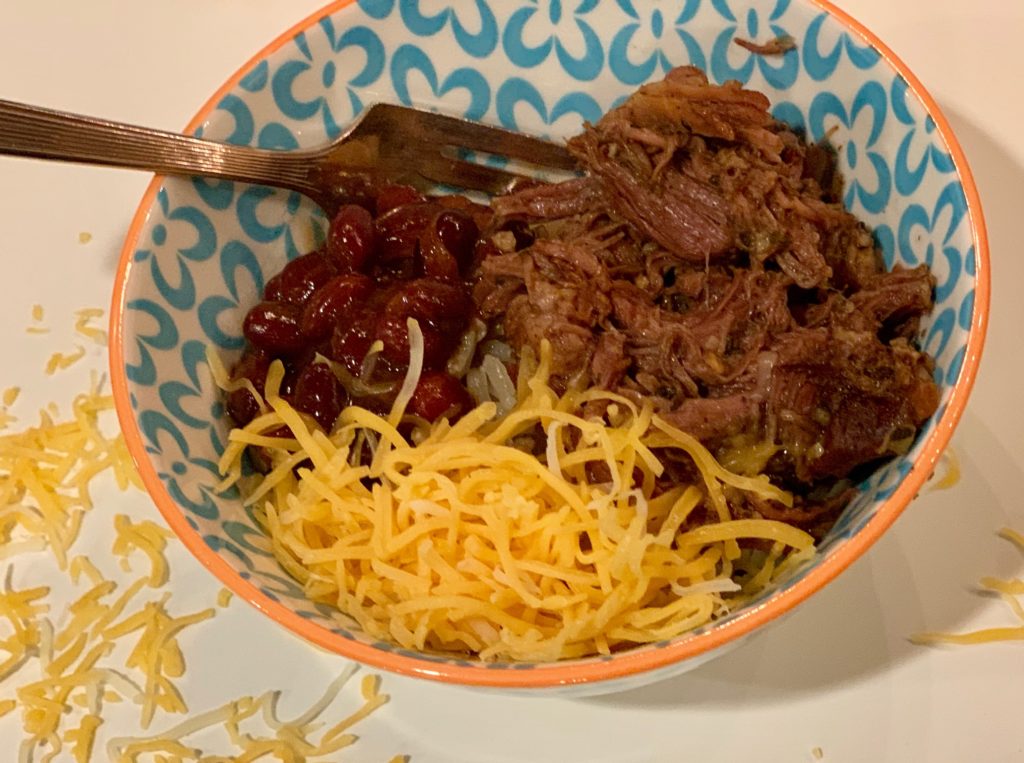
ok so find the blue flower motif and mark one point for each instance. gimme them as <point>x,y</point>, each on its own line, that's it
<point>664,50</point>
<point>189,481</point>
<point>856,131</point>
<point>779,71</point>
<point>409,58</point>
<point>162,337</point>
<point>271,215</point>
<point>189,402</point>
<point>965,314</point>
<point>220,317</point>
<point>574,41</point>
<point>376,9</point>
<point>250,546</point>
<point>479,44</point>
<point>938,338</point>
<point>300,92</point>
<point>922,236</point>
<point>176,237</point>
<point>820,66</point>
<point>912,158</point>
<point>515,92</point>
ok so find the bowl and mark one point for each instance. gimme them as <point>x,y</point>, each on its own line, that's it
<point>198,251</point>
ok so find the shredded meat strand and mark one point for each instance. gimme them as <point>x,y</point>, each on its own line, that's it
<point>777,46</point>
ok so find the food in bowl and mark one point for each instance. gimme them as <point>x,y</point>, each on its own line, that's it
<point>679,362</point>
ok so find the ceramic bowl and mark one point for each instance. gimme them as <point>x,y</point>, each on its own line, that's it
<point>199,251</point>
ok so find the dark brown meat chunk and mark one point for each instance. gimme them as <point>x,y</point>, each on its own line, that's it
<point>706,263</point>
<point>704,171</point>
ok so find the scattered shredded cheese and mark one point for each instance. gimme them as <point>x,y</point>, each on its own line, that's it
<point>1008,590</point>
<point>64,660</point>
<point>83,319</point>
<point>45,473</point>
<point>147,537</point>
<point>60,361</point>
<point>84,237</point>
<point>11,395</point>
<point>287,740</point>
<point>462,542</point>
<point>224,597</point>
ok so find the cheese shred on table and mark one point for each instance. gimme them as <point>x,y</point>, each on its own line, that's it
<point>45,473</point>
<point>456,540</point>
<point>61,666</point>
<point>1009,590</point>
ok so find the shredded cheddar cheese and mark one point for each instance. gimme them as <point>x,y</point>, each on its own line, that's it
<point>462,542</point>
<point>1008,591</point>
<point>286,740</point>
<point>83,319</point>
<point>60,361</point>
<point>147,537</point>
<point>45,473</point>
<point>67,661</point>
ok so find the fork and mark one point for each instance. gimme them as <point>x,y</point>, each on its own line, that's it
<point>391,142</point>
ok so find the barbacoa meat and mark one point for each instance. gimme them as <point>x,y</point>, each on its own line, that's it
<point>705,262</point>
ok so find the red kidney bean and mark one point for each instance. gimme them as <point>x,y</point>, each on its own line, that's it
<point>331,301</point>
<point>351,341</point>
<point>274,327</point>
<point>481,214</point>
<point>294,365</point>
<point>439,394</point>
<point>260,457</point>
<point>241,405</point>
<point>435,261</point>
<point>352,239</point>
<point>318,393</point>
<point>458,232</point>
<point>398,230</point>
<point>299,279</point>
<point>391,196</point>
<point>394,334</point>
<point>430,300</point>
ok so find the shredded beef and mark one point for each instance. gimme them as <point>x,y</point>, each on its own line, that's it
<point>777,46</point>
<point>705,262</point>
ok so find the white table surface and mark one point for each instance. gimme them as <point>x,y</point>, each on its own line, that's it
<point>838,674</point>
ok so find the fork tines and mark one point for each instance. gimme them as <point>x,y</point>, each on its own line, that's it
<point>432,143</point>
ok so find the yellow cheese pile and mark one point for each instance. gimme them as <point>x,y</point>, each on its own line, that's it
<point>60,667</point>
<point>456,540</point>
<point>45,472</point>
<point>1009,590</point>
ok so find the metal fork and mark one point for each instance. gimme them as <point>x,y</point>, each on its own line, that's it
<point>390,142</point>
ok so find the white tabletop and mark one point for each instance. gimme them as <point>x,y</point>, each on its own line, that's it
<point>838,674</point>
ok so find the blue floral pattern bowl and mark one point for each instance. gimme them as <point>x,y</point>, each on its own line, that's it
<point>199,251</point>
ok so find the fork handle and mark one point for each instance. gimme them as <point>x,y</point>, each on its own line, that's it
<point>47,134</point>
